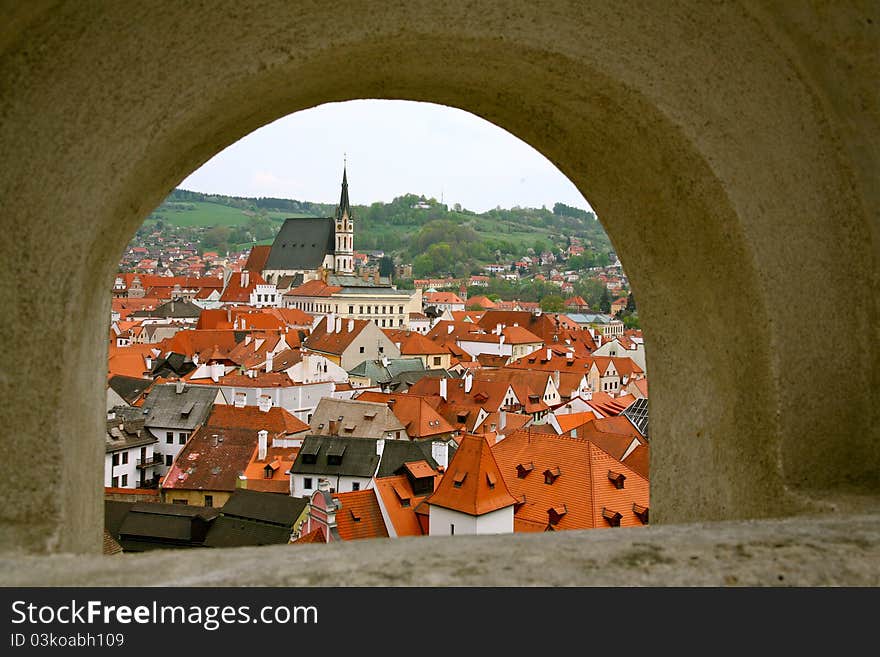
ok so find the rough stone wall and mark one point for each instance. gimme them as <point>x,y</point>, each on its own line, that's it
<point>731,151</point>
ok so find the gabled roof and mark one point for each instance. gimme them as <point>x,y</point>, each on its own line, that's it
<point>271,508</point>
<point>212,459</point>
<point>417,415</point>
<point>276,420</point>
<point>166,408</point>
<point>257,257</point>
<point>359,458</point>
<point>353,417</point>
<point>472,483</point>
<point>128,387</point>
<point>398,453</point>
<point>336,342</point>
<point>313,288</point>
<point>301,244</point>
<point>358,515</point>
<point>399,501</point>
<point>579,472</point>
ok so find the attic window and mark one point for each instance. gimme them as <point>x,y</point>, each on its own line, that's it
<point>490,479</point>
<point>523,469</point>
<point>402,495</point>
<point>268,471</point>
<point>641,512</point>
<point>459,478</point>
<point>616,478</point>
<point>187,409</point>
<point>550,475</point>
<point>481,397</point>
<point>612,517</point>
<point>555,513</point>
<point>355,515</point>
<point>462,417</point>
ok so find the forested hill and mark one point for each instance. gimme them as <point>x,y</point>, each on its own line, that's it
<point>434,237</point>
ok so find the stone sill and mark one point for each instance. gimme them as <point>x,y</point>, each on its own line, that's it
<point>824,550</point>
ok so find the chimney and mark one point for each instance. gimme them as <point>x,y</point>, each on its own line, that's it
<point>216,439</point>
<point>149,364</point>
<point>265,403</point>
<point>443,388</point>
<point>178,387</point>
<point>498,329</point>
<point>262,444</point>
<point>351,326</point>
<point>385,361</point>
<point>502,420</point>
<point>216,371</point>
<point>556,379</point>
<point>331,322</point>
<point>324,485</point>
<point>228,314</point>
<point>380,447</point>
<point>334,427</point>
<point>450,329</point>
<point>440,453</point>
<point>376,277</point>
<point>468,382</point>
<point>245,278</point>
<point>269,361</point>
<point>549,353</point>
<point>569,356</point>
<point>339,325</point>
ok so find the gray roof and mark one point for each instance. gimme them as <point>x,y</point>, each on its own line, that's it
<point>128,387</point>
<point>349,417</point>
<point>358,460</point>
<point>375,371</point>
<point>302,243</point>
<point>238,532</point>
<point>180,309</point>
<point>126,429</point>
<point>148,526</point>
<point>165,408</point>
<point>403,380</point>
<point>398,452</point>
<point>272,508</point>
<point>590,318</point>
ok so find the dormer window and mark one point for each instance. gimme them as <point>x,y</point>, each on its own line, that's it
<point>355,516</point>
<point>641,512</point>
<point>616,478</point>
<point>555,513</point>
<point>458,479</point>
<point>551,474</point>
<point>490,480</point>
<point>611,517</point>
<point>523,469</point>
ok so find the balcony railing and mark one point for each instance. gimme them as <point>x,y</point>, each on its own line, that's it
<point>155,459</point>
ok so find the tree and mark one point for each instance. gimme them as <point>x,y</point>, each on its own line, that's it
<point>553,303</point>
<point>630,304</point>
<point>605,301</point>
<point>386,266</point>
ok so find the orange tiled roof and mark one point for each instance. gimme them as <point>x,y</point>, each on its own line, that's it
<point>276,420</point>
<point>413,411</point>
<point>257,257</point>
<point>472,483</point>
<point>336,342</point>
<point>313,288</point>
<point>359,515</point>
<point>582,488</point>
<point>314,536</point>
<point>569,421</point>
<point>400,504</point>
<point>442,297</point>
<point>279,460</point>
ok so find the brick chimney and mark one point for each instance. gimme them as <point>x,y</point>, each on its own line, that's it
<point>245,278</point>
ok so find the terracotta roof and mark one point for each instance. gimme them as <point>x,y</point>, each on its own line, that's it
<point>313,288</point>
<point>359,515</point>
<point>336,342</point>
<point>400,502</point>
<point>416,344</point>
<point>209,463</point>
<point>441,297</point>
<point>235,292</point>
<point>569,421</point>
<point>582,484</point>
<point>257,257</point>
<point>276,420</point>
<point>314,536</point>
<point>480,300</point>
<point>472,483</point>
<point>413,411</point>
<point>279,461</point>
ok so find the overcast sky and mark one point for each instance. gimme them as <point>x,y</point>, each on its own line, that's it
<point>392,148</point>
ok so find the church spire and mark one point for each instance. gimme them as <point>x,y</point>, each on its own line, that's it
<point>344,207</point>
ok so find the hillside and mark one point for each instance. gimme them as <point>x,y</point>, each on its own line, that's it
<point>412,229</point>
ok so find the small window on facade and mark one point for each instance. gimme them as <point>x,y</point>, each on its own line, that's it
<point>355,485</point>
<point>452,530</point>
<point>307,483</point>
<point>209,501</point>
<point>115,482</point>
<point>124,458</point>
<point>116,459</point>
<point>168,460</point>
<point>169,437</point>
<point>362,350</point>
<point>437,360</point>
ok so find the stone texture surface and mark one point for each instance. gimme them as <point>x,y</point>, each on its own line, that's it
<point>815,551</point>
<point>729,148</point>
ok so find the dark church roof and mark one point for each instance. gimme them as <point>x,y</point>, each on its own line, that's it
<point>302,243</point>
<point>344,207</point>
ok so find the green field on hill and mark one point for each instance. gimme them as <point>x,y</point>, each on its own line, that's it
<point>201,213</point>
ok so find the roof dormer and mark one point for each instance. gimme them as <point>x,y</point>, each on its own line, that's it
<point>551,475</point>
<point>611,517</point>
<point>556,513</point>
<point>641,512</point>
<point>616,478</point>
<point>523,469</point>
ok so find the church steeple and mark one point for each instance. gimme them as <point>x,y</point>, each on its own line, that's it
<point>344,255</point>
<point>343,208</point>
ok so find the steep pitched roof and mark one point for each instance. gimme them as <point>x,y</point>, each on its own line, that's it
<point>337,341</point>
<point>212,459</point>
<point>397,498</point>
<point>417,415</point>
<point>302,243</point>
<point>358,515</point>
<point>257,257</point>
<point>354,417</point>
<point>569,477</point>
<point>165,407</point>
<point>473,483</point>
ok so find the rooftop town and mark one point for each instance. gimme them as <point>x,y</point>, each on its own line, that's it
<point>292,394</point>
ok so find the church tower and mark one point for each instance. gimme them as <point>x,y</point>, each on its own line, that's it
<point>343,261</point>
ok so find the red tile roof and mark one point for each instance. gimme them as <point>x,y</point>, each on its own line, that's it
<point>400,503</point>
<point>359,516</point>
<point>277,421</point>
<point>257,257</point>
<point>472,483</point>
<point>420,419</point>
<point>313,288</point>
<point>582,486</point>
